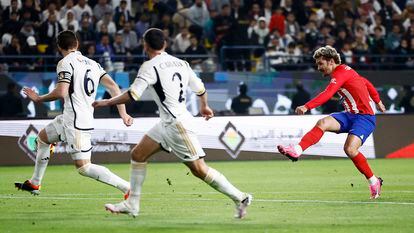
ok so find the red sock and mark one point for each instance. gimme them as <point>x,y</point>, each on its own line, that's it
<point>311,137</point>
<point>361,163</point>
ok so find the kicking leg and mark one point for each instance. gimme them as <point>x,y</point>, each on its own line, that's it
<point>351,148</point>
<point>293,152</point>
<point>219,182</point>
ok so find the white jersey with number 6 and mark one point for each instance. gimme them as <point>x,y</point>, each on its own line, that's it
<point>83,75</point>
<point>167,78</point>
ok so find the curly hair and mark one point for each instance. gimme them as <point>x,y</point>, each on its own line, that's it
<point>327,52</point>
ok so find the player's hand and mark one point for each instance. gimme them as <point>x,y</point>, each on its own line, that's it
<point>381,107</point>
<point>128,120</point>
<point>301,110</point>
<point>31,94</point>
<point>206,112</point>
<point>100,103</point>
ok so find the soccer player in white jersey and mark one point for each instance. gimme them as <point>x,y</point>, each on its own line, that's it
<point>167,78</point>
<point>78,79</point>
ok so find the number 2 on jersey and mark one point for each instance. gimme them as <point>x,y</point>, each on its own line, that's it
<point>88,84</point>
<point>180,98</point>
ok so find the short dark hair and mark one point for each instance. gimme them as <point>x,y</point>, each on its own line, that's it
<point>67,40</point>
<point>154,37</point>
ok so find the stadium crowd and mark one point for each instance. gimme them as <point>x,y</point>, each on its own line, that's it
<point>286,31</point>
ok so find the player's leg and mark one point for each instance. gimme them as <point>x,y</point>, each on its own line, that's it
<point>361,129</point>
<point>44,141</point>
<point>139,157</point>
<point>326,124</point>
<point>219,182</point>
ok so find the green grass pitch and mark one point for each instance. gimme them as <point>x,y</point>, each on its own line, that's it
<point>308,196</point>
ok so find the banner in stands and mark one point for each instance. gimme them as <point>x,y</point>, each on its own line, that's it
<point>233,134</point>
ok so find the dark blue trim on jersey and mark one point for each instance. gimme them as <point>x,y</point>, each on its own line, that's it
<point>102,77</point>
<point>130,95</point>
<point>204,92</point>
<point>160,91</point>
<point>87,150</point>
<point>71,91</point>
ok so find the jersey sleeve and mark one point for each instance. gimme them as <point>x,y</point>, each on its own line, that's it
<point>101,71</point>
<point>372,90</point>
<point>64,71</point>
<point>195,83</point>
<point>145,77</point>
<point>336,82</point>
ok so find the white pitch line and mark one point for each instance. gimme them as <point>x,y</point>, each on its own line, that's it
<point>211,199</point>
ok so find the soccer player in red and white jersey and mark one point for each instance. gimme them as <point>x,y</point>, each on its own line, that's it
<point>358,119</point>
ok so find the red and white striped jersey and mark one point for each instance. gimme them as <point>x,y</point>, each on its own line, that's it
<point>355,90</point>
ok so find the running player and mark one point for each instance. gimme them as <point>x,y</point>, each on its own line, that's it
<point>167,78</point>
<point>358,120</point>
<point>78,79</point>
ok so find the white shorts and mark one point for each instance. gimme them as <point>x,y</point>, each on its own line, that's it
<point>179,139</point>
<point>79,141</point>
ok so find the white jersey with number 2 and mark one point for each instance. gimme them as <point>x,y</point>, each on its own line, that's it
<point>167,78</point>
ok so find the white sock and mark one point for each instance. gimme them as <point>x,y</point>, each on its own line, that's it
<point>373,180</point>
<point>138,172</point>
<point>298,149</point>
<point>42,159</point>
<point>104,175</point>
<point>219,182</point>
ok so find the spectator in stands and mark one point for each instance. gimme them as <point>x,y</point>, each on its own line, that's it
<point>81,8</point>
<point>195,49</point>
<point>237,11</point>
<point>377,23</point>
<point>105,47</point>
<point>223,25</point>
<point>120,22</point>
<point>90,51</point>
<point>8,11</point>
<point>402,52</point>
<point>240,104</point>
<point>49,30</point>
<point>69,5</point>
<point>14,49</point>
<point>28,12</point>
<point>261,30</point>
<point>86,35</point>
<point>122,9</point>
<point>129,37</point>
<point>165,23</point>
<point>51,9</point>
<point>393,39</point>
<point>107,20</point>
<point>11,103</point>
<point>119,48</point>
<point>30,49</point>
<point>360,48</point>
<point>377,45</point>
<point>142,25</point>
<point>347,53</point>
<point>26,31</point>
<point>198,13</point>
<point>101,9</point>
<point>69,21</point>
<point>216,4</point>
<point>291,26</point>
<point>168,39</point>
<point>254,12</point>
<point>181,41</point>
<point>341,39</point>
<point>407,102</point>
<point>311,34</point>
<point>324,11</point>
<point>277,22</point>
<point>275,53</point>
<point>13,25</point>
<point>300,98</point>
<point>103,31</point>
<point>389,12</point>
<point>293,55</point>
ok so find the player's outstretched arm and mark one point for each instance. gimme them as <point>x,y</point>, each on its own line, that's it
<point>114,91</point>
<point>205,110</point>
<point>61,90</point>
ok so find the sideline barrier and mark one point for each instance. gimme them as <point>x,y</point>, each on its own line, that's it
<point>257,134</point>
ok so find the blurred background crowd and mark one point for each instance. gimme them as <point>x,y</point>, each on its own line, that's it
<point>235,34</point>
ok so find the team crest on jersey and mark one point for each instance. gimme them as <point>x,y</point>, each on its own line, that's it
<point>232,140</point>
<point>333,80</point>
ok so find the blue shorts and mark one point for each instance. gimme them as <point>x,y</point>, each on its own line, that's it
<point>357,124</point>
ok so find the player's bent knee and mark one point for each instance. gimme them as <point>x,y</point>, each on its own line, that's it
<point>84,170</point>
<point>350,151</point>
<point>322,124</point>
